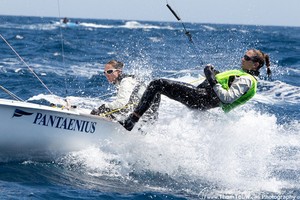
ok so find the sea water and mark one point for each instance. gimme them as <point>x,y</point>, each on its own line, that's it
<point>252,152</point>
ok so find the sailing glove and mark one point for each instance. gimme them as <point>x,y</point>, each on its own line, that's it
<point>102,109</point>
<point>210,73</point>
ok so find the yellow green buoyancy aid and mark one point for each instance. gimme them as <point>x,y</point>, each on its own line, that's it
<point>223,79</point>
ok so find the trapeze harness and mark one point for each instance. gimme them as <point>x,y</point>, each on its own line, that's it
<point>135,97</point>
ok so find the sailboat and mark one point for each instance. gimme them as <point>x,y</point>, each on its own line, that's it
<point>32,127</point>
<point>29,126</point>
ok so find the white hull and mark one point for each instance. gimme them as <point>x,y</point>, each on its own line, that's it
<point>27,127</point>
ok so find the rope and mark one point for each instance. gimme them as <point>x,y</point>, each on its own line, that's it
<point>187,33</point>
<point>62,43</point>
<point>116,110</point>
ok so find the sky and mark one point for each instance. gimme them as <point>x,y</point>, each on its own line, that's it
<point>254,12</point>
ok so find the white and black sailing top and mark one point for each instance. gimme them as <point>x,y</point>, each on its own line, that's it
<point>126,87</point>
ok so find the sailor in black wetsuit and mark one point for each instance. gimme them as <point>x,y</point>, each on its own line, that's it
<point>226,90</point>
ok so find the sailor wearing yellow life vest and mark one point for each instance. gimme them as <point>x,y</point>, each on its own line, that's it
<point>235,87</point>
<point>226,90</point>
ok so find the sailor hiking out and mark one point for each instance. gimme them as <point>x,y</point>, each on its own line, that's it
<point>226,90</point>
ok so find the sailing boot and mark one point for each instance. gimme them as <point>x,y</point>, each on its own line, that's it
<point>130,121</point>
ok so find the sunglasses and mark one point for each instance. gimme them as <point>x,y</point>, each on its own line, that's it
<point>110,71</point>
<point>248,58</point>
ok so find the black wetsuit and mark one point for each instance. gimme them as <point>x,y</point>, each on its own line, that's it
<point>201,97</point>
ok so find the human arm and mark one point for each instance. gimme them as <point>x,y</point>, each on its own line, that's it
<point>210,74</point>
<point>125,90</point>
<point>239,86</point>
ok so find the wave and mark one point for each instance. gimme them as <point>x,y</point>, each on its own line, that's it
<point>86,70</point>
<point>56,25</point>
<point>37,26</point>
<point>128,25</point>
<point>210,28</point>
<point>93,25</point>
<point>197,148</point>
<point>252,150</point>
<point>234,153</point>
<point>137,25</point>
<point>242,30</point>
<point>278,92</point>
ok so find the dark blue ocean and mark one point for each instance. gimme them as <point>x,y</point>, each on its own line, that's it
<point>252,152</point>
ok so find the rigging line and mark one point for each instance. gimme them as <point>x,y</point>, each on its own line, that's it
<point>187,33</point>
<point>183,71</point>
<point>62,43</point>
<point>11,94</point>
<point>26,64</point>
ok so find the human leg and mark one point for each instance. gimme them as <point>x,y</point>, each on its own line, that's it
<point>189,95</point>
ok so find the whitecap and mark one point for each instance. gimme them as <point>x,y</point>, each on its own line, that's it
<point>155,39</point>
<point>278,93</point>
<point>19,37</point>
<point>210,28</point>
<point>18,70</point>
<point>93,25</point>
<point>137,25</point>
